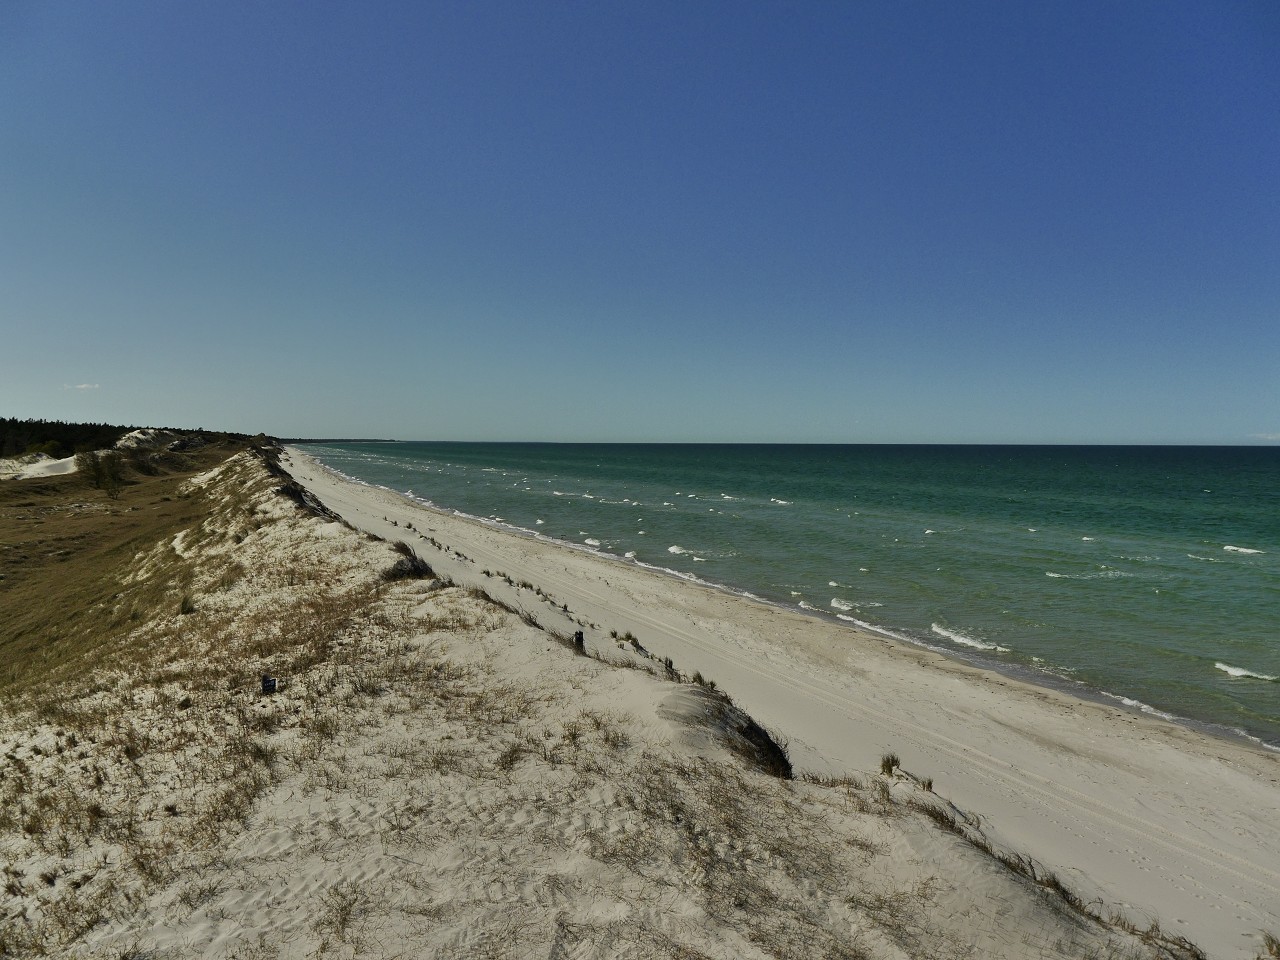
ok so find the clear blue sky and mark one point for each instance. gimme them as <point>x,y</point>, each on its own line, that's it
<point>830,222</point>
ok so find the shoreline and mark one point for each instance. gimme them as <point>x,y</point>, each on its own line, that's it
<point>1161,818</point>
<point>1017,672</point>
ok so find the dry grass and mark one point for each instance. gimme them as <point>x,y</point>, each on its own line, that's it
<point>62,547</point>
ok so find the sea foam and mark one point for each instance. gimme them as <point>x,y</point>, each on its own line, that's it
<point>963,640</point>
<point>1240,549</point>
<point>1241,672</point>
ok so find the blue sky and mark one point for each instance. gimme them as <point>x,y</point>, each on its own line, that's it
<point>861,222</point>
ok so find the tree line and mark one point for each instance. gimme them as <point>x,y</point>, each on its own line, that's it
<point>56,438</point>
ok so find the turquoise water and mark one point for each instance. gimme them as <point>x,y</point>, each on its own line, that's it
<point>1144,574</point>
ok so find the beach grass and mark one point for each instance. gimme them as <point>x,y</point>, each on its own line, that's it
<point>64,542</point>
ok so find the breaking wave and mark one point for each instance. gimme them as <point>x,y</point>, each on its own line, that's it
<point>1241,672</point>
<point>960,638</point>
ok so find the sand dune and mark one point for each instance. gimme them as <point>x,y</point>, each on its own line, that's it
<point>440,773</point>
<point>1171,824</point>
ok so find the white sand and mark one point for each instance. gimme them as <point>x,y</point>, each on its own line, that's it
<point>1169,823</point>
<point>35,465</point>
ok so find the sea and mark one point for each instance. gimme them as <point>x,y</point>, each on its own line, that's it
<point>1147,577</point>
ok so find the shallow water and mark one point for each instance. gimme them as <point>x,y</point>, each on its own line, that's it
<point>1147,574</point>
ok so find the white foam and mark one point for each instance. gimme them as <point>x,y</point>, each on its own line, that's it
<point>630,554</point>
<point>966,641</point>
<point>674,548</point>
<point>1138,704</point>
<point>1240,549</point>
<point>1103,574</point>
<point>1241,672</point>
<point>539,521</point>
<point>841,604</point>
<point>591,542</point>
<point>927,532</point>
<point>807,606</point>
<point>785,503</point>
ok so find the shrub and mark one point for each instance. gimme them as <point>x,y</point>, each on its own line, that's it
<point>410,566</point>
<point>889,763</point>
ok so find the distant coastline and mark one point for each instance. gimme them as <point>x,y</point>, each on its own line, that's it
<point>337,440</point>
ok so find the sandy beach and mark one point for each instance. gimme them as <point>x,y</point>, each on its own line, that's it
<point>1168,823</point>
<point>436,770</point>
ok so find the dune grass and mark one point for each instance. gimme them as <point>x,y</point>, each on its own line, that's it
<point>63,544</point>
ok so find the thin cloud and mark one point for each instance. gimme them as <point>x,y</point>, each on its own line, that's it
<point>1265,436</point>
<point>80,386</point>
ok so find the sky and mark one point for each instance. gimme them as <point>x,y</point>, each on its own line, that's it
<point>862,222</point>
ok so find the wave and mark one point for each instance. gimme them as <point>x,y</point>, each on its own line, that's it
<point>591,542</point>
<point>1100,575</point>
<point>1139,705</point>
<point>785,503</point>
<point>966,641</point>
<point>844,605</point>
<point>676,549</point>
<point>1232,549</point>
<point>1241,672</point>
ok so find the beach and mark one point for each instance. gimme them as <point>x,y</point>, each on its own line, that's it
<point>267,713</point>
<point>1157,818</point>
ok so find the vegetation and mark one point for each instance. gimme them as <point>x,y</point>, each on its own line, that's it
<point>55,437</point>
<point>62,551</point>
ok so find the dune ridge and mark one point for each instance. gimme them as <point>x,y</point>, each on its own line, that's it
<point>441,773</point>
